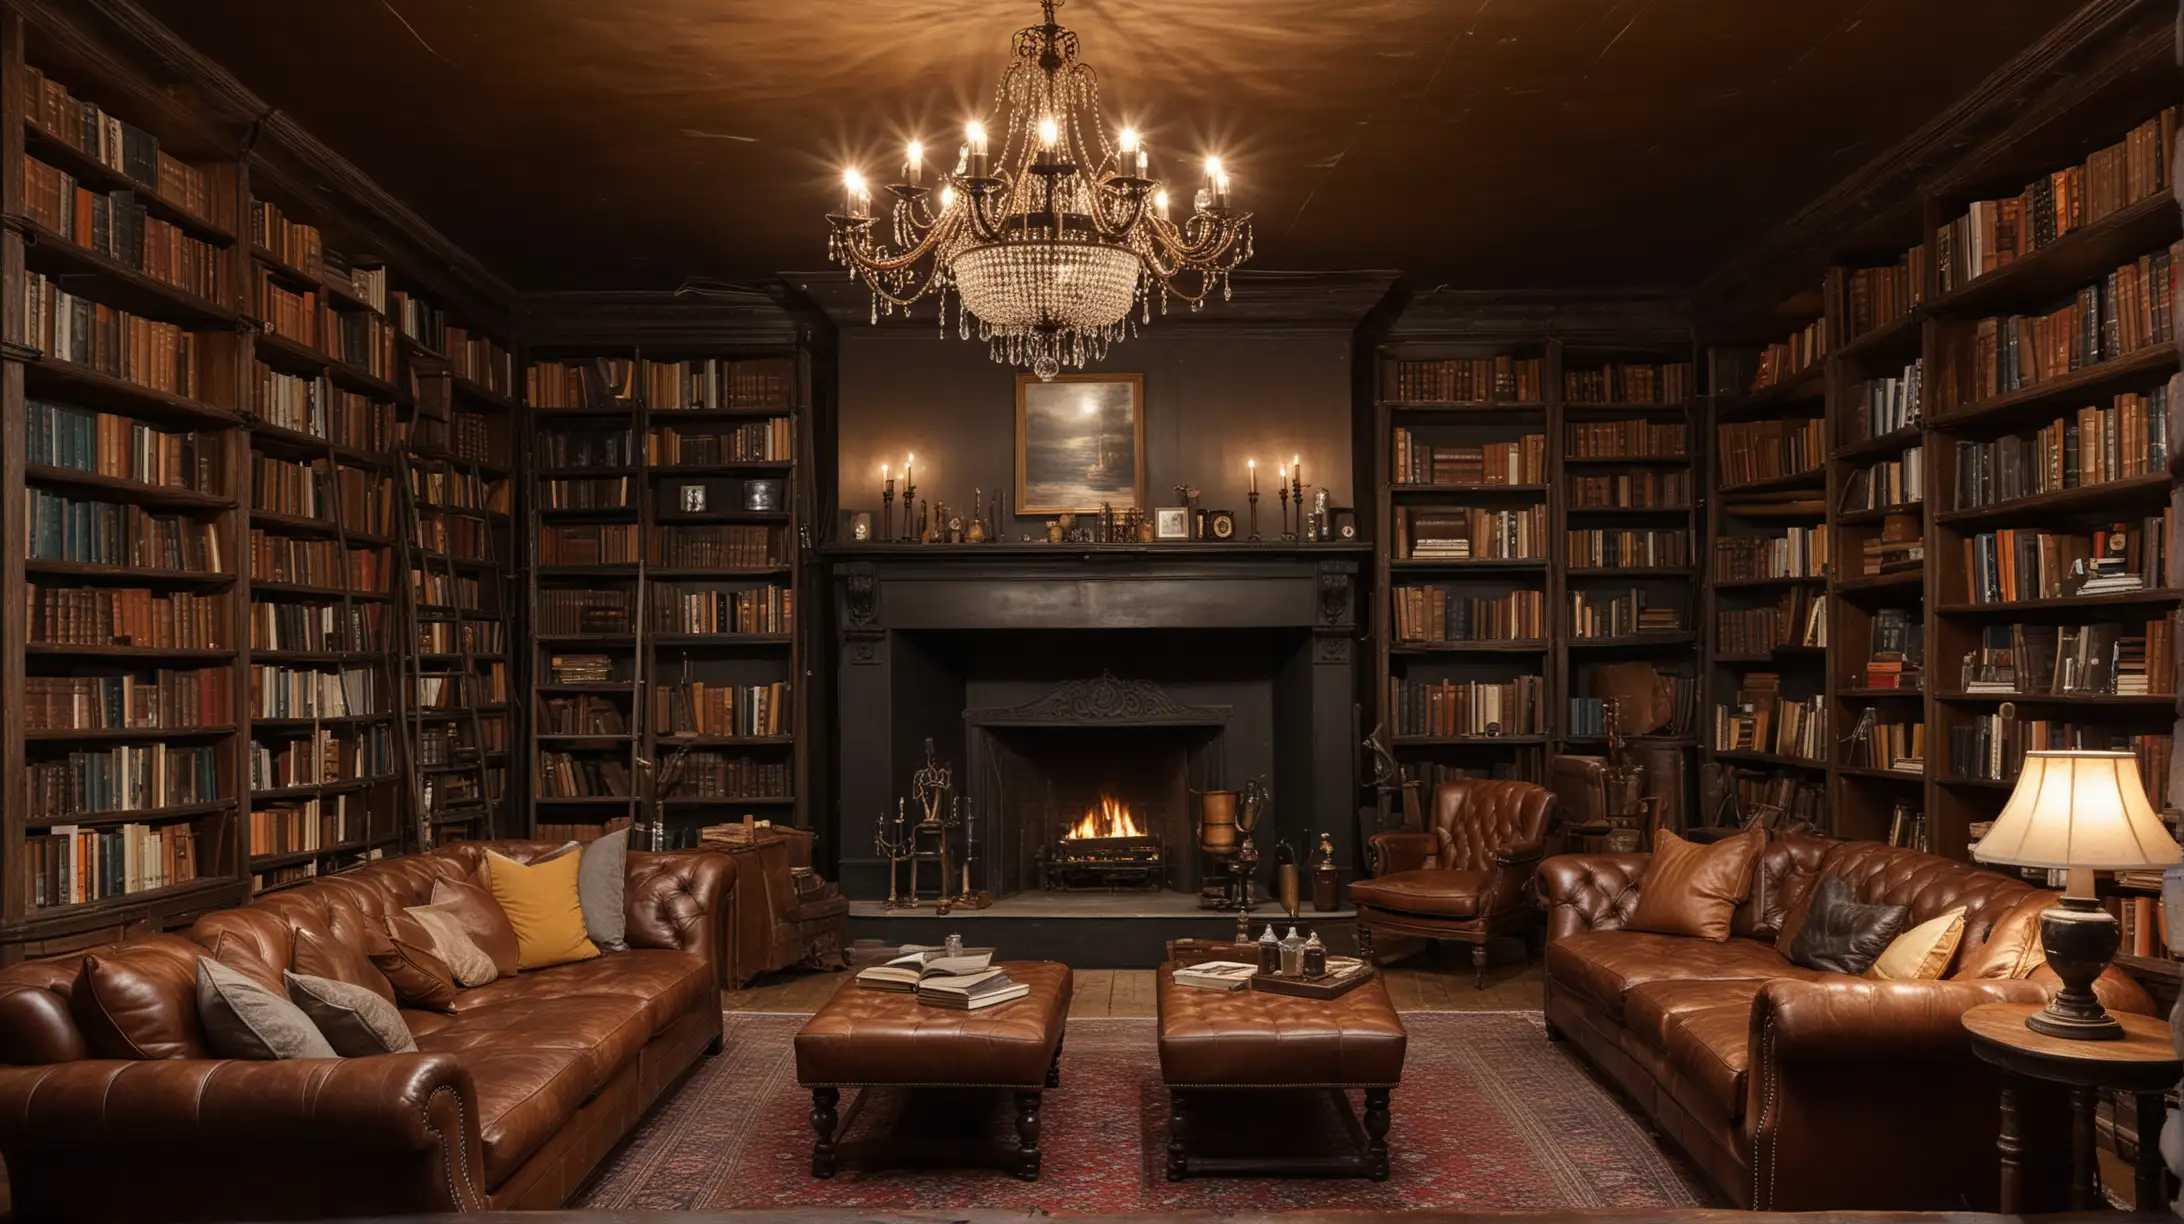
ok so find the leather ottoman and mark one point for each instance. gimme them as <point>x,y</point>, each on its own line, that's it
<point>867,1038</point>
<point>1225,1041</point>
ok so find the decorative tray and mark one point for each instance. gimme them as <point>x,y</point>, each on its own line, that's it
<point>1325,986</point>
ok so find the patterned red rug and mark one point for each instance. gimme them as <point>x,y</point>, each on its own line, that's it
<point>1490,1117</point>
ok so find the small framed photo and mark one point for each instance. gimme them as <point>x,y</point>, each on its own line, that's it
<point>1221,525</point>
<point>693,499</point>
<point>1171,523</point>
<point>860,526</point>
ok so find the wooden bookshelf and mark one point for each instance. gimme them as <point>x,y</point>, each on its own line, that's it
<point>673,476</point>
<point>1434,400</point>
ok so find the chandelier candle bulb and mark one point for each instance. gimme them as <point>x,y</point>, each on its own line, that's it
<point>1049,133</point>
<point>855,199</point>
<point>975,133</point>
<point>914,168</point>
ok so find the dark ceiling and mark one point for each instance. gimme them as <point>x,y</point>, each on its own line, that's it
<point>1479,143</point>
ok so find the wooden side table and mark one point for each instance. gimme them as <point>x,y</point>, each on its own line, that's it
<point>2143,1063</point>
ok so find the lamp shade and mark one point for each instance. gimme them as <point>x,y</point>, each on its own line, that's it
<point>2079,809</point>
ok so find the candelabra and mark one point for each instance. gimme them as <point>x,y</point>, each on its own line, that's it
<point>895,847</point>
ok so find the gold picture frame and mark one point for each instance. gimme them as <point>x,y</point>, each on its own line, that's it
<point>1077,436</point>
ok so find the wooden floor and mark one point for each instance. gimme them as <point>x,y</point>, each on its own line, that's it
<point>1422,983</point>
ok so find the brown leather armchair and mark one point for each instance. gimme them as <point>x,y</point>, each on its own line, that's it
<point>1464,880</point>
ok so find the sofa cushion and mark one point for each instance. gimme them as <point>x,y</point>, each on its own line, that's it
<point>602,888</point>
<point>1603,966</point>
<point>356,1022</point>
<point>1708,1050</point>
<point>245,1020</point>
<point>344,954</point>
<point>1842,935</point>
<point>453,945</point>
<point>606,1031</point>
<point>1649,1006</point>
<point>2011,948</point>
<point>419,977</point>
<point>1922,953</point>
<point>482,917</point>
<point>139,1000</point>
<point>1689,889</point>
<point>524,1093</point>
<point>668,984</point>
<point>1431,890</point>
<point>542,905</point>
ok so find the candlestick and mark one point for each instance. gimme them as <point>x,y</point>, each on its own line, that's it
<point>1282,490</point>
<point>1253,498</point>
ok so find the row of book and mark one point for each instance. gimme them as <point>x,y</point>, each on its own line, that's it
<point>772,440</point>
<point>722,547</point>
<point>1992,747</point>
<point>1896,658</point>
<point>1779,798</point>
<point>1646,490</point>
<point>1594,718</point>
<point>707,383</point>
<point>466,636</point>
<point>316,563</point>
<point>167,700</point>
<point>120,447</point>
<point>1799,552</point>
<point>1426,614</point>
<point>1627,548</point>
<point>73,530</point>
<point>1785,359</point>
<point>2131,309</point>
<point>116,225</point>
<point>1887,483</point>
<point>2128,659</point>
<point>1881,406</point>
<point>1877,297</point>
<point>1796,618</point>
<point>467,436</point>
<point>296,244</point>
<point>355,338</point>
<point>1628,382</point>
<point>2027,563</point>
<point>1632,439</point>
<point>295,692</point>
<point>444,592</point>
<point>125,616</point>
<point>315,628</point>
<point>124,778</point>
<point>1899,747</point>
<point>588,544</point>
<point>461,537</point>
<point>1610,614</point>
<point>760,610</point>
<point>315,406</point>
<point>561,611</point>
<point>1995,233</point>
<point>71,866</point>
<point>572,775</point>
<point>116,144</point>
<point>322,755</point>
<point>1755,451</point>
<point>1472,708</point>
<point>1519,462</point>
<point>439,487</point>
<point>737,711</point>
<point>2130,438</point>
<point>583,714</point>
<point>585,493</point>
<point>1763,720</point>
<point>715,775</point>
<point>459,690</point>
<point>103,339</point>
<point>312,490</point>
<point>1472,533</point>
<point>1466,380</point>
<point>586,448</point>
<point>479,359</point>
<point>304,825</point>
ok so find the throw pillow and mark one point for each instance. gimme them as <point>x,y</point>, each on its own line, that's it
<point>320,953</point>
<point>541,903</point>
<point>602,877</point>
<point>2012,947</point>
<point>419,977</point>
<point>453,945</point>
<point>139,1000</point>
<point>1922,953</point>
<point>1689,889</point>
<point>1842,935</point>
<point>355,1021</point>
<point>245,1020</point>
<point>482,917</point>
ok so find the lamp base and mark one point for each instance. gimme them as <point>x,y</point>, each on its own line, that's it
<point>2079,938</point>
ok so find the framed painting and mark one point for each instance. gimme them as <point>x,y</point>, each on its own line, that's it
<point>1080,442</point>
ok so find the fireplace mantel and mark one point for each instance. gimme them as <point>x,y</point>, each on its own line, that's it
<point>903,613</point>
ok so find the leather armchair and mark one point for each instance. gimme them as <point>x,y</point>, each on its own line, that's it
<point>1465,878</point>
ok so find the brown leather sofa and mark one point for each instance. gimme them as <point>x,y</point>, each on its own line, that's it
<point>1793,1089</point>
<point>1465,878</point>
<point>509,1102</point>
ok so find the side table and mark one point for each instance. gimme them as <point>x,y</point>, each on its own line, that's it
<point>2143,1063</point>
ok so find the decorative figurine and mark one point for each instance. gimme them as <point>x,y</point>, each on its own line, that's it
<point>976,532</point>
<point>1326,880</point>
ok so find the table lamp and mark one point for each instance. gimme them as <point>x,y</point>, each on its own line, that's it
<point>2081,811</point>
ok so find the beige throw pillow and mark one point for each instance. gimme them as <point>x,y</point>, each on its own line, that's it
<point>453,945</point>
<point>245,1020</point>
<point>355,1020</point>
<point>1922,953</point>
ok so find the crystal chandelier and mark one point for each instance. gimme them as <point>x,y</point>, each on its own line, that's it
<point>1051,244</point>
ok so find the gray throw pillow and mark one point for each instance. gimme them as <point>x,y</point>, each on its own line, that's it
<point>245,1020</point>
<point>355,1021</point>
<point>602,881</point>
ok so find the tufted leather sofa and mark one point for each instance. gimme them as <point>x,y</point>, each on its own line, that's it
<point>510,1101</point>
<point>1463,879</point>
<point>1793,1089</point>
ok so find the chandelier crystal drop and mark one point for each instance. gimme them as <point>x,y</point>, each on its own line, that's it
<point>1052,244</point>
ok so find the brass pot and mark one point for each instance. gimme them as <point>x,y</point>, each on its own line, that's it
<point>1217,822</point>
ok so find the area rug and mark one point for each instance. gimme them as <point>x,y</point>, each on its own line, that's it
<point>1489,1117</point>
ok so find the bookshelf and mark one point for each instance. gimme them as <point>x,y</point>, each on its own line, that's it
<point>666,524</point>
<point>1994,401</point>
<point>1539,508</point>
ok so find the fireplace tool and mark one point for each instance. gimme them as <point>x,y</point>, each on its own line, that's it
<point>1217,842</point>
<point>894,846</point>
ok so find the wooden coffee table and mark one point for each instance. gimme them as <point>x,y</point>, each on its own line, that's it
<point>1219,1049</point>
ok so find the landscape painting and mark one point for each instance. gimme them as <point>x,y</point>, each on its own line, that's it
<point>1080,443</point>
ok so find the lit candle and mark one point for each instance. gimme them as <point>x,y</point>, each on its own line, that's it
<point>854,195</point>
<point>1160,203</point>
<point>887,480</point>
<point>914,170</point>
<point>1049,132</point>
<point>1133,153</point>
<point>947,197</point>
<point>975,133</point>
<point>1216,181</point>
<point>909,467</point>
<point>1296,472</point>
<point>1253,464</point>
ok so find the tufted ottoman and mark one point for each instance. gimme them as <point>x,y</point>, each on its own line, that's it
<point>1215,1041</point>
<point>864,1038</point>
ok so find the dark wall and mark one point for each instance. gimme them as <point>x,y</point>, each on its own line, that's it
<point>1212,401</point>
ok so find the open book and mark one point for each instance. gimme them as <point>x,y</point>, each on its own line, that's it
<point>918,964</point>
<point>971,991</point>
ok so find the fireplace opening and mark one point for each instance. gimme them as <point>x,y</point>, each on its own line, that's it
<point>1076,808</point>
<point>1107,847</point>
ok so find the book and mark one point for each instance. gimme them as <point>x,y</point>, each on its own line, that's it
<point>1215,975</point>
<point>992,994</point>
<point>905,972</point>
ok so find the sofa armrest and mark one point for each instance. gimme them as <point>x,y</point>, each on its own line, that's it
<point>1589,892</point>
<point>1859,1018</point>
<point>390,1134</point>
<point>680,899</point>
<point>1393,852</point>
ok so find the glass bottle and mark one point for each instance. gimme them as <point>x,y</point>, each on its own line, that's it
<point>1270,951</point>
<point>1292,954</point>
<point>1315,956</point>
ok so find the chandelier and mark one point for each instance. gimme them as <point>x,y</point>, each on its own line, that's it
<point>1052,244</point>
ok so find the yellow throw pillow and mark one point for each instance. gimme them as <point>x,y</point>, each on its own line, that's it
<point>542,905</point>
<point>1922,953</point>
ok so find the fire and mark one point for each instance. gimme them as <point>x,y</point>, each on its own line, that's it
<point>1112,818</point>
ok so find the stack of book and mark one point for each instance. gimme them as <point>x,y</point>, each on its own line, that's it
<point>1216,975</point>
<point>965,981</point>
